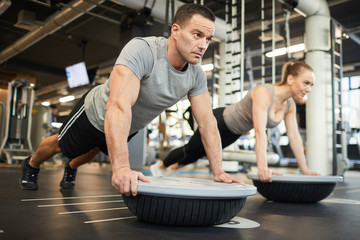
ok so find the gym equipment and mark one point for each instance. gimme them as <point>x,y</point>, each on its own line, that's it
<point>2,120</point>
<point>296,188</point>
<point>40,125</point>
<point>187,201</point>
<point>249,156</point>
<point>18,121</point>
<point>231,160</point>
<point>137,149</point>
<point>3,157</point>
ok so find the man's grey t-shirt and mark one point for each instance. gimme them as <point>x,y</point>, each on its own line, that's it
<point>161,85</point>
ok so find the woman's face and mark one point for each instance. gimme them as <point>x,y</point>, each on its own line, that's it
<point>301,84</point>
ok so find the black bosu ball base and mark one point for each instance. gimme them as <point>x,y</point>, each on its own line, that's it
<point>294,192</point>
<point>187,202</point>
<point>183,211</point>
<point>296,188</point>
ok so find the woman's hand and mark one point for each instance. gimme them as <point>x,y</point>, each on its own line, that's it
<point>309,172</point>
<point>265,174</point>
<point>227,178</point>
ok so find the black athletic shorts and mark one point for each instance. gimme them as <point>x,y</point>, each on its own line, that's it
<point>78,136</point>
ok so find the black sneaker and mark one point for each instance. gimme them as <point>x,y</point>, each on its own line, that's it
<point>29,177</point>
<point>68,181</point>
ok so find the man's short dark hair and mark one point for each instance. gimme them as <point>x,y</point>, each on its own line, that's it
<point>186,11</point>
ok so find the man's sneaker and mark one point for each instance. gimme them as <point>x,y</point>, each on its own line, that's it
<point>156,171</point>
<point>29,177</point>
<point>68,181</point>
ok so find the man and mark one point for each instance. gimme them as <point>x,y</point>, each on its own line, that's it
<point>150,75</point>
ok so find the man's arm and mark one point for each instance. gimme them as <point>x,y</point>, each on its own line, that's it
<point>210,137</point>
<point>124,89</point>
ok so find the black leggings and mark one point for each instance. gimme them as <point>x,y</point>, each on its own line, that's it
<point>194,149</point>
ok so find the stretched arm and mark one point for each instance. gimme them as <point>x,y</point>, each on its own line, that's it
<point>261,99</point>
<point>210,137</point>
<point>124,89</point>
<point>296,143</point>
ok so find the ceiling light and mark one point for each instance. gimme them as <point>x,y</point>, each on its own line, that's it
<point>207,67</point>
<point>45,104</point>
<point>56,124</point>
<point>282,51</point>
<point>66,99</point>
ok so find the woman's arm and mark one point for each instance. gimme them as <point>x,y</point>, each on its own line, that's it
<point>261,99</point>
<point>296,143</point>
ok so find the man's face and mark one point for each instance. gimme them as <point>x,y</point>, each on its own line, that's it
<point>194,38</point>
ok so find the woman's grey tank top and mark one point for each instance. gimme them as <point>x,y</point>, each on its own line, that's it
<point>238,116</point>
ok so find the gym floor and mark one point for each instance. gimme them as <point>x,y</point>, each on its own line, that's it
<point>94,210</point>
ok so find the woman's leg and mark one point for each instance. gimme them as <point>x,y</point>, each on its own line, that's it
<point>194,149</point>
<point>189,153</point>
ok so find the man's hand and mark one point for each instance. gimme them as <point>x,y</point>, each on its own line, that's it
<point>265,174</point>
<point>125,180</point>
<point>226,178</point>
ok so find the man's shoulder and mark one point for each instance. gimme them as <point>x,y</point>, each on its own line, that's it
<point>151,40</point>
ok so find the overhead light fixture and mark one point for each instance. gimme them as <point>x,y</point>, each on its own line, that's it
<point>46,104</point>
<point>66,99</point>
<point>4,4</point>
<point>282,51</point>
<point>56,124</point>
<point>207,67</point>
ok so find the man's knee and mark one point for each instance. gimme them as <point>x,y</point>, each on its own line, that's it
<point>53,142</point>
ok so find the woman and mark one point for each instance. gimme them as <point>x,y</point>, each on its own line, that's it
<point>264,106</point>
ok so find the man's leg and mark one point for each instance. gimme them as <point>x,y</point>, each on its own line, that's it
<point>31,165</point>
<point>47,148</point>
<point>68,180</point>
<point>85,158</point>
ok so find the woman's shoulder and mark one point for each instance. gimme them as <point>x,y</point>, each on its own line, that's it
<point>261,91</point>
